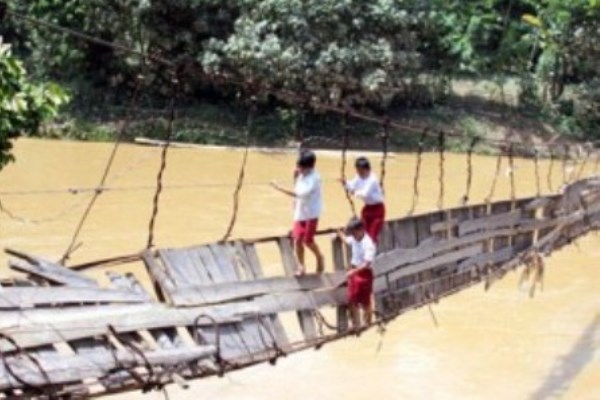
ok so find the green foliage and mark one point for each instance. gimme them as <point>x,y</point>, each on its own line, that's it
<point>23,105</point>
<point>382,55</point>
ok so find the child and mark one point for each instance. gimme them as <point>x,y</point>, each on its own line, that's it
<point>360,271</point>
<point>307,209</point>
<point>366,187</point>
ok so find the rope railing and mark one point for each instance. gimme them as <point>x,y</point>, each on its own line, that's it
<point>241,176</point>
<point>163,163</point>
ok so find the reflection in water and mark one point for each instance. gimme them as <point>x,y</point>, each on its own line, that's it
<point>566,369</point>
<point>489,345</point>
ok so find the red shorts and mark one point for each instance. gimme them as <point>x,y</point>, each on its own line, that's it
<point>373,216</point>
<point>360,288</point>
<point>304,231</point>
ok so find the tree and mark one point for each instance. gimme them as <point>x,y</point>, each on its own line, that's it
<point>23,104</point>
<point>336,50</point>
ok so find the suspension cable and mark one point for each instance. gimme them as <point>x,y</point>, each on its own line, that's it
<point>99,190</point>
<point>420,148</point>
<point>474,141</point>
<point>442,180</point>
<point>385,137</point>
<point>242,174</point>
<point>163,161</point>
<point>345,132</point>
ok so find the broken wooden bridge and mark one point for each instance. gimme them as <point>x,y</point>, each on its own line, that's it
<point>212,310</point>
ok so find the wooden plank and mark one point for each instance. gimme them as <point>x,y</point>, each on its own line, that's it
<point>220,270</point>
<point>253,261</point>
<point>443,226</point>
<point>67,369</point>
<point>480,260</point>
<point>38,326</point>
<point>163,284</point>
<point>305,317</point>
<point>406,233</point>
<point>339,265</point>
<point>53,273</point>
<point>254,271</point>
<point>491,222</point>
<point>27,297</point>
<point>231,291</point>
<point>174,266</point>
<point>428,264</point>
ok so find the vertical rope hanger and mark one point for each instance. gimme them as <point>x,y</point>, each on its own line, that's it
<point>536,164</point>
<point>566,150</point>
<point>442,178</point>
<point>490,196</point>
<point>163,161</point>
<point>421,146</point>
<point>385,138</point>
<point>242,174</point>
<point>73,245</point>
<point>344,161</point>
<point>550,168</point>
<point>588,151</point>
<point>474,141</point>
<point>511,167</point>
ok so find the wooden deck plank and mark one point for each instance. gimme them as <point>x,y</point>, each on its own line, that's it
<point>53,273</point>
<point>305,317</point>
<point>27,297</point>
<point>339,265</point>
<point>66,369</point>
<point>492,222</point>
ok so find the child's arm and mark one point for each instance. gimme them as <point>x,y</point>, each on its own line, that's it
<point>283,190</point>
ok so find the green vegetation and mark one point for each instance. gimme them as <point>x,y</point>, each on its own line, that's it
<point>537,61</point>
<point>23,105</point>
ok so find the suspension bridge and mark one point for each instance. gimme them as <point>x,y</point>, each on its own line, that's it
<point>212,310</point>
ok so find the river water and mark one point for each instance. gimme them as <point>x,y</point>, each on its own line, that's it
<point>499,344</point>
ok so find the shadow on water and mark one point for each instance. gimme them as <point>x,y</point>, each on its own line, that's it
<point>566,369</point>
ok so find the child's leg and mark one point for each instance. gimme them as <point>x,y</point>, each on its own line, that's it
<point>299,247</point>
<point>368,313</point>
<point>319,256</point>
<point>354,315</point>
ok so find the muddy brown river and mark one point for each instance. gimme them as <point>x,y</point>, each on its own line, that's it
<point>499,344</point>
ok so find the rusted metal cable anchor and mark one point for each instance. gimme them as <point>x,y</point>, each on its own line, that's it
<point>199,339</point>
<point>279,352</point>
<point>152,382</point>
<point>19,350</point>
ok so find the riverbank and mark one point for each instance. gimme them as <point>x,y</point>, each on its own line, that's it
<point>471,110</point>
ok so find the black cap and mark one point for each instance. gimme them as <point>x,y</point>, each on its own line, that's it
<point>307,159</point>
<point>362,163</point>
<point>354,224</point>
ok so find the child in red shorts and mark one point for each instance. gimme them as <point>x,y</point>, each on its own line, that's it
<point>360,271</point>
<point>307,209</point>
<point>366,187</point>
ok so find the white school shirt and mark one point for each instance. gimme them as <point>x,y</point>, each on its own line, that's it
<point>367,189</point>
<point>363,251</point>
<point>308,202</point>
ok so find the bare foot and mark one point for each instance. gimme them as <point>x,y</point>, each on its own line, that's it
<point>300,271</point>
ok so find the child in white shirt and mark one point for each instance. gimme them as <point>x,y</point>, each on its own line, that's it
<point>366,187</point>
<point>307,209</point>
<point>360,271</point>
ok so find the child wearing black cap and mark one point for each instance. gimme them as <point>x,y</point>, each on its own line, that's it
<point>307,209</point>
